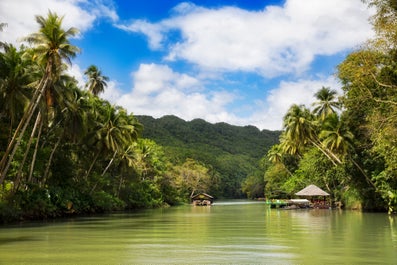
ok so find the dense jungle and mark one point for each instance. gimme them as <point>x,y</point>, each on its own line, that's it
<point>66,151</point>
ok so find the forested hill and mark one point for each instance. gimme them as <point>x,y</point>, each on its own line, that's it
<point>233,151</point>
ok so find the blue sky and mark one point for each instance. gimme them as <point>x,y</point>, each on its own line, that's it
<point>238,61</point>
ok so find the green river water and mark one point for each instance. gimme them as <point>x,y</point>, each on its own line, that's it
<point>234,232</point>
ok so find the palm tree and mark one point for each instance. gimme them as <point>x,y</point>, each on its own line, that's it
<point>335,136</point>
<point>115,131</point>
<point>74,113</point>
<point>326,104</point>
<point>338,139</point>
<point>14,78</point>
<point>298,126</point>
<point>72,125</point>
<point>96,81</point>
<point>51,48</point>
<point>126,164</point>
<point>300,131</point>
<point>119,132</point>
<point>275,155</point>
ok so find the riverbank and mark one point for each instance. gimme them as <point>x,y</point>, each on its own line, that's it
<point>47,205</point>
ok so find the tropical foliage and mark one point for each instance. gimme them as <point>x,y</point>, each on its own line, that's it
<point>347,145</point>
<point>66,151</point>
<point>232,153</point>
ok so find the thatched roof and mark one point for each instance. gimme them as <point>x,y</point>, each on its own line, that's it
<point>202,196</point>
<point>312,190</point>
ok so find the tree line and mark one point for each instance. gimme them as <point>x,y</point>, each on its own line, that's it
<point>347,144</point>
<point>64,150</point>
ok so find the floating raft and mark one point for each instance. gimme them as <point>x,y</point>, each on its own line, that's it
<point>277,203</point>
<point>289,204</point>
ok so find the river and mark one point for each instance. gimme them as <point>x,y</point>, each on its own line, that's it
<point>230,232</point>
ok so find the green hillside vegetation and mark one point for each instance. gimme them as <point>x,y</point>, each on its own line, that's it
<point>233,152</point>
<point>222,137</point>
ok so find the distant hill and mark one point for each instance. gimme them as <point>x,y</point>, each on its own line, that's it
<point>233,151</point>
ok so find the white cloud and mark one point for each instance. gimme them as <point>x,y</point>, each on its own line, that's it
<point>20,15</point>
<point>276,41</point>
<point>75,71</point>
<point>158,90</point>
<point>270,112</point>
<point>153,31</point>
<point>112,93</point>
<point>273,41</point>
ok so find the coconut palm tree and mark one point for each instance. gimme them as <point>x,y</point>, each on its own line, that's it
<point>52,48</point>
<point>338,139</point>
<point>96,81</point>
<point>335,136</point>
<point>14,78</point>
<point>114,133</point>
<point>298,125</point>
<point>327,103</point>
<point>72,121</point>
<point>120,131</point>
<point>300,130</point>
<point>275,155</point>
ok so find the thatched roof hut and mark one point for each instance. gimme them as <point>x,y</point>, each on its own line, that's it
<point>312,190</point>
<point>202,196</point>
<point>202,199</point>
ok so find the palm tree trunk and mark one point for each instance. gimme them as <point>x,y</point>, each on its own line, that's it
<point>324,152</point>
<point>47,169</point>
<point>332,154</point>
<point>21,126</point>
<point>92,165</point>
<point>104,171</point>
<point>362,172</point>
<point>16,140</point>
<point>119,186</point>
<point>19,174</point>
<point>109,164</point>
<point>35,152</point>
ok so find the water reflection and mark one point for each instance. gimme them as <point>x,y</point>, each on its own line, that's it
<point>238,232</point>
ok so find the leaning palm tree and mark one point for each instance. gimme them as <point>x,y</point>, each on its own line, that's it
<point>275,155</point>
<point>300,131</point>
<point>51,48</point>
<point>298,125</point>
<point>96,81</point>
<point>327,103</point>
<point>335,136</point>
<point>72,118</point>
<point>14,78</point>
<point>114,133</point>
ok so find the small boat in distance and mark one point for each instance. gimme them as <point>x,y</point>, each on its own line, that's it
<point>202,199</point>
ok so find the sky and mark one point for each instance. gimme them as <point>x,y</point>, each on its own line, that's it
<point>243,62</point>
